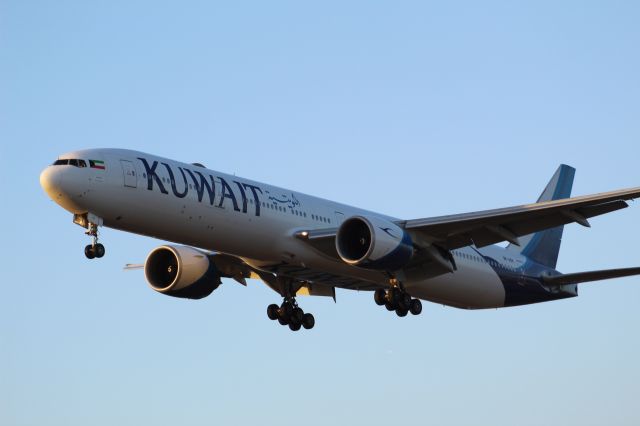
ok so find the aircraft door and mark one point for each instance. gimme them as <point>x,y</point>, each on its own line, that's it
<point>130,178</point>
<point>339,218</point>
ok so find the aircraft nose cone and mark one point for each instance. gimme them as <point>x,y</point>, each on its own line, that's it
<point>51,182</point>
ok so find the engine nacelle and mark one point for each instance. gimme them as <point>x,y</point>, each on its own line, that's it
<point>373,243</point>
<point>181,271</point>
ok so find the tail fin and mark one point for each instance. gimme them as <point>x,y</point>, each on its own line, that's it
<point>543,247</point>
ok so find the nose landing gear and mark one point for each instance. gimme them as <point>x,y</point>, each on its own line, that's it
<point>95,249</point>
<point>289,313</point>
<point>398,300</point>
<point>90,222</point>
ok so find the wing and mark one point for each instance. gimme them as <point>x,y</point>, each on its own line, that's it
<point>493,226</point>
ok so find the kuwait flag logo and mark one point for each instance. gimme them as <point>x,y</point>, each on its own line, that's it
<point>96,164</point>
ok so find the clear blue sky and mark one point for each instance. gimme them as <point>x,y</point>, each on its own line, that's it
<point>412,109</point>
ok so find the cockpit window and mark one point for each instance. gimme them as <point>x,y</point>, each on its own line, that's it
<point>70,162</point>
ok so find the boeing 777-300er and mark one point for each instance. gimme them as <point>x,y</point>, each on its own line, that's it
<point>224,226</point>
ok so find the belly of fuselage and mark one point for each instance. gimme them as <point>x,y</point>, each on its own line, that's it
<point>475,286</point>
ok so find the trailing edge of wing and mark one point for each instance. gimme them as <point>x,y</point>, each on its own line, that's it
<point>585,277</point>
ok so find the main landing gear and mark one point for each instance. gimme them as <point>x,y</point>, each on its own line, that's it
<point>396,299</point>
<point>95,249</point>
<point>289,313</point>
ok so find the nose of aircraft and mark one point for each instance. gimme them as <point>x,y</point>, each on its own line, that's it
<point>64,186</point>
<point>51,182</point>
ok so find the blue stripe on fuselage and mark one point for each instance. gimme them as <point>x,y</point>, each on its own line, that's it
<point>523,286</point>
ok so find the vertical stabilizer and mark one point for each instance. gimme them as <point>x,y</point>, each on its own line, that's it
<point>543,247</point>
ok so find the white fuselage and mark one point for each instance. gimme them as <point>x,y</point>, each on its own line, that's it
<point>247,219</point>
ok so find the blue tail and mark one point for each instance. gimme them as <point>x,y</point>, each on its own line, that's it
<point>543,247</point>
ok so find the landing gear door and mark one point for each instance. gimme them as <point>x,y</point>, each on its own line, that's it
<point>130,178</point>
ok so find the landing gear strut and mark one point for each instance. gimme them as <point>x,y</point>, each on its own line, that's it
<point>95,249</point>
<point>289,313</point>
<point>398,300</point>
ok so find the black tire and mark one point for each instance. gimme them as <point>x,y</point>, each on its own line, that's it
<point>404,301</point>
<point>308,322</point>
<point>286,309</point>
<point>401,312</point>
<point>272,312</point>
<point>393,295</point>
<point>389,307</point>
<point>416,307</point>
<point>295,326</point>
<point>297,315</point>
<point>88,251</point>
<point>98,249</point>
<point>380,297</point>
<point>283,321</point>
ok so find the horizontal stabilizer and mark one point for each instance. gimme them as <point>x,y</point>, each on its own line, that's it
<point>133,266</point>
<point>585,277</point>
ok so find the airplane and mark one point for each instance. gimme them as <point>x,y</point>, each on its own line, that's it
<point>224,226</point>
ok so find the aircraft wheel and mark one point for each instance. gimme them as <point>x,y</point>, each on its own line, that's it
<point>295,326</point>
<point>286,309</point>
<point>416,307</point>
<point>283,321</point>
<point>389,306</point>
<point>297,315</point>
<point>379,297</point>
<point>308,322</point>
<point>393,296</point>
<point>401,312</point>
<point>272,312</point>
<point>89,252</point>
<point>404,301</point>
<point>99,250</point>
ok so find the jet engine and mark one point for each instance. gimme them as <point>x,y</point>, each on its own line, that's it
<point>181,271</point>
<point>373,243</point>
